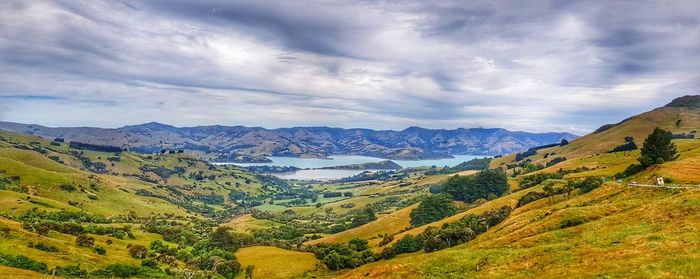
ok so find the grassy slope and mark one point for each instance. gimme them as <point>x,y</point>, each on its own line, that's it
<point>247,224</point>
<point>272,262</point>
<point>630,232</point>
<point>41,176</point>
<point>389,224</point>
<point>590,150</point>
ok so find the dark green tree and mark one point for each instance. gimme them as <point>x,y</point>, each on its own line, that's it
<point>431,209</point>
<point>478,186</point>
<point>658,148</point>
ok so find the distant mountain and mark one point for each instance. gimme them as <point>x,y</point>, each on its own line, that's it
<point>239,143</point>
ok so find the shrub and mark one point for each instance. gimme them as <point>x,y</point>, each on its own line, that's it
<point>530,197</point>
<point>138,251</point>
<point>536,179</point>
<point>628,146</point>
<point>339,255</point>
<point>149,262</point>
<point>249,271</point>
<point>587,185</point>
<point>44,247</point>
<point>67,187</point>
<point>100,250</point>
<point>571,222</point>
<point>407,244</point>
<point>23,262</point>
<point>158,246</point>
<point>555,161</point>
<point>630,170</point>
<point>228,268</point>
<point>386,239</point>
<point>71,271</point>
<point>84,240</point>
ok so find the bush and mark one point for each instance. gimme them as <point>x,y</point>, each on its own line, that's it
<point>149,262</point>
<point>572,222</point>
<point>431,209</point>
<point>228,268</point>
<point>23,262</point>
<point>630,170</point>
<point>84,240</point>
<point>138,251</point>
<point>536,179</point>
<point>100,250</point>
<point>338,255</point>
<point>587,185</point>
<point>530,197</point>
<point>158,246</point>
<point>71,271</point>
<point>407,244</point>
<point>44,247</point>
<point>386,239</point>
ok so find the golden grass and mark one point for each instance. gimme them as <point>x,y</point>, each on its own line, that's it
<point>273,262</point>
<point>389,224</point>
<point>629,232</point>
<point>16,273</point>
<point>247,224</point>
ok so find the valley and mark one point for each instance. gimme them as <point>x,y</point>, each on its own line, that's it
<point>565,209</point>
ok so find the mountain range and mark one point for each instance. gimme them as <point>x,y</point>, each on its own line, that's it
<point>252,144</point>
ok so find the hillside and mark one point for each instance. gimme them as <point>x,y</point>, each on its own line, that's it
<point>681,117</point>
<point>51,195</point>
<point>627,232</point>
<point>251,144</point>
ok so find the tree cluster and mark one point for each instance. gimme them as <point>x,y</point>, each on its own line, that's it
<point>478,186</point>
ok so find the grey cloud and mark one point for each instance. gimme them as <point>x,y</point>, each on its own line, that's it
<point>380,64</point>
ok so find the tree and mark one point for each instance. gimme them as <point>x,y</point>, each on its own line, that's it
<point>228,268</point>
<point>158,246</point>
<point>658,148</point>
<point>358,244</point>
<point>249,271</point>
<point>407,244</point>
<point>431,209</point>
<point>549,191</point>
<point>478,186</point>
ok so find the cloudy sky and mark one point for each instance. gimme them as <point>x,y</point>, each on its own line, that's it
<point>525,65</point>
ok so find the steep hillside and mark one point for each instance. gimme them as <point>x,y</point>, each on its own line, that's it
<point>237,143</point>
<point>681,117</point>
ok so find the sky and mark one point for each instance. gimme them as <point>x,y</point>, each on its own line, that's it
<point>566,66</point>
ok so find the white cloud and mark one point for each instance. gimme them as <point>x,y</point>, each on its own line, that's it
<point>538,66</point>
